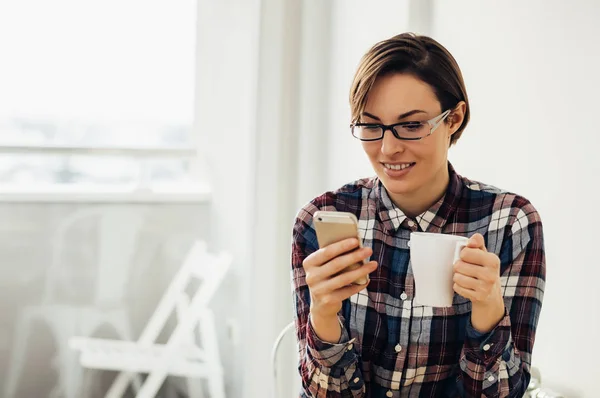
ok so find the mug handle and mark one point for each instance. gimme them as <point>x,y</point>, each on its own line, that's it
<point>459,246</point>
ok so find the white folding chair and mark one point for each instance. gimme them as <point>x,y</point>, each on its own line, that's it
<point>110,272</point>
<point>180,356</point>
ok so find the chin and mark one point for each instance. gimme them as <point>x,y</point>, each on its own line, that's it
<point>399,187</point>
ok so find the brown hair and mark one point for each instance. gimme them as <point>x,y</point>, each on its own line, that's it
<point>420,56</point>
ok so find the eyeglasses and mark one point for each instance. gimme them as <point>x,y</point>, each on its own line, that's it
<point>411,131</point>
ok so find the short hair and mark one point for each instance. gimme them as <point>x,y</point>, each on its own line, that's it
<point>417,55</point>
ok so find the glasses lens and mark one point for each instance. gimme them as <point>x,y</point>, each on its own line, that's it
<point>367,132</point>
<point>413,130</point>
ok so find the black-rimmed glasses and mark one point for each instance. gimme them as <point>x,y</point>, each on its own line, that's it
<point>411,131</point>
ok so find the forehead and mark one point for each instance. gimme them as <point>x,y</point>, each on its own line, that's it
<point>398,93</point>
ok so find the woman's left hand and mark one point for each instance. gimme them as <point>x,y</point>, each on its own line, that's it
<point>477,278</point>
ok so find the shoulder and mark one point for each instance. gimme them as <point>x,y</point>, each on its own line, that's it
<point>349,198</point>
<point>507,209</point>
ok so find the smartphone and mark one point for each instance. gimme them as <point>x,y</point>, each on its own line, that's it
<point>334,226</point>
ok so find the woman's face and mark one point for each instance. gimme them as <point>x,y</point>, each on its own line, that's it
<point>398,98</point>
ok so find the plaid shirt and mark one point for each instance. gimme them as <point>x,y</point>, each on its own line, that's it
<point>391,346</point>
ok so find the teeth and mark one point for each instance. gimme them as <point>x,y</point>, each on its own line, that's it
<point>397,166</point>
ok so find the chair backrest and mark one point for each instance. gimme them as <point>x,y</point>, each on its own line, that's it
<point>209,269</point>
<point>284,364</point>
<point>117,231</point>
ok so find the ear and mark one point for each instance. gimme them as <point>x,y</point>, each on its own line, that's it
<point>456,117</point>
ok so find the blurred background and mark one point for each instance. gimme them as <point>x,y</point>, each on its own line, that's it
<point>130,129</point>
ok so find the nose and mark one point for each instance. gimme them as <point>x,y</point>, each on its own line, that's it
<point>390,144</point>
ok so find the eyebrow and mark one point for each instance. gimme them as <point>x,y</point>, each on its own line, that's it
<point>402,116</point>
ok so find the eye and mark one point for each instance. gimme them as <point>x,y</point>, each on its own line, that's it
<point>412,126</point>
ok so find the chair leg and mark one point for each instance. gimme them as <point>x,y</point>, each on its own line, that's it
<point>216,386</point>
<point>119,385</point>
<point>123,326</point>
<point>194,385</point>
<point>152,384</point>
<point>19,351</point>
<point>71,373</point>
<point>210,343</point>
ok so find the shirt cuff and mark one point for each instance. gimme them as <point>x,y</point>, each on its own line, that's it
<point>487,347</point>
<point>327,354</point>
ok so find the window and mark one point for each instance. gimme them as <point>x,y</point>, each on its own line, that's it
<point>96,92</point>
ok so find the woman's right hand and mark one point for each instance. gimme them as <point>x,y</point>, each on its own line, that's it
<point>329,286</point>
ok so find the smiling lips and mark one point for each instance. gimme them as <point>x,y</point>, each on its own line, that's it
<point>397,166</point>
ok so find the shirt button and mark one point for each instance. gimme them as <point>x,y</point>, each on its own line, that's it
<point>398,348</point>
<point>411,223</point>
<point>389,393</point>
<point>356,380</point>
<point>350,347</point>
<point>491,379</point>
<point>404,296</point>
<point>486,347</point>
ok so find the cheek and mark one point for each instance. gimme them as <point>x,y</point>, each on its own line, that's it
<point>371,149</point>
<point>423,152</point>
<point>432,151</point>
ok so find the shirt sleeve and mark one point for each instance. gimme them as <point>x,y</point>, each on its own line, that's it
<point>497,364</point>
<point>327,370</point>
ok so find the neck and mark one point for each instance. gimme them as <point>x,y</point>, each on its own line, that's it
<point>417,202</point>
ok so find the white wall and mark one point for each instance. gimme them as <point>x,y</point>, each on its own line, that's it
<point>531,69</point>
<point>225,116</point>
<point>531,74</point>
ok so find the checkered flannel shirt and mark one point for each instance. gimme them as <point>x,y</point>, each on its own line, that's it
<point>393,347</point>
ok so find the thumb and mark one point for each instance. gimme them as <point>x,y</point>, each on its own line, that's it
<point>477,242</point>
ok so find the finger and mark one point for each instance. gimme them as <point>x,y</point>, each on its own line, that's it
<point>342,262</point>
<point>474,256</point>
<point>477,242</point>
<point>466,282</point>
<point>482,274</point>
<point>329,252</point>
<point>315,275</point>
<point>346,278</point>
<point>468,269</point>
<point>347,291</point>
<point>466,293</point>
<point>482,259</point>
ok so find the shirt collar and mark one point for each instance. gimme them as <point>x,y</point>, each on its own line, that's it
<point>431,220</point>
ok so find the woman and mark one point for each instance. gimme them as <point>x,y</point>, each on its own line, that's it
<point>409,105</point>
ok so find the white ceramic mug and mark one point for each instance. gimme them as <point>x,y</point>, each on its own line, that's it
<point>432,258</point>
